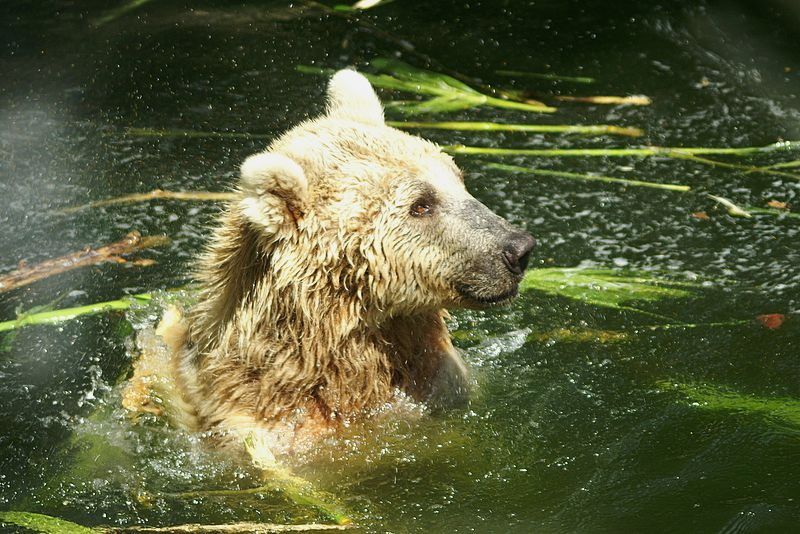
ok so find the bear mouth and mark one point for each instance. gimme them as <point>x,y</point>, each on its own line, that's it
<point>470,295</point>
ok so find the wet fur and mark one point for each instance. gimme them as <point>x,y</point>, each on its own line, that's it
<point>321,299</point>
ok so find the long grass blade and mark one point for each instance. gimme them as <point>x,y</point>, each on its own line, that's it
<point>648,151</point>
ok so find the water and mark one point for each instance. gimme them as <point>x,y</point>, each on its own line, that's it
<point>560,436</point>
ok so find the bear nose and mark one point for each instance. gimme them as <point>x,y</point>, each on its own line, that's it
<point>517,251</point>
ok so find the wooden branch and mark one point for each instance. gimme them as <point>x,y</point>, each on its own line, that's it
<point>114,252</point>
<point>230,528</point>
<point>155,194</point>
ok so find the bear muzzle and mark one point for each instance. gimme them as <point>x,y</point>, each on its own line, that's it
<point>498,256</point>
<point>517,251</point>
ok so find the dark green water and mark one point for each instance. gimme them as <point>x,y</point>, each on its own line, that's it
<point>561,436</point>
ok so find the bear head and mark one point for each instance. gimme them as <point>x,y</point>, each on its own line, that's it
<point>382,214</point>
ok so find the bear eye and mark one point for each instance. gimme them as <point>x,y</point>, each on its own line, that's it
<point>423,206</point>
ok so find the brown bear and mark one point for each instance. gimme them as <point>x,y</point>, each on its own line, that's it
<point>325,284</point>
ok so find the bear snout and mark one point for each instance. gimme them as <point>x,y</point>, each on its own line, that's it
<point>516,252</point>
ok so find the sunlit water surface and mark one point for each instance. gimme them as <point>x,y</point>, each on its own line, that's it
<point>560,436</point>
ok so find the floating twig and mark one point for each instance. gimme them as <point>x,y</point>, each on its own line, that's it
<point>733,209</point>
<point>586,177</point>
<point>156,194</point>
<point>592,129</point>
<point>114,253</point>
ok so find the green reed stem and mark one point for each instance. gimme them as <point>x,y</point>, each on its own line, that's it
<point>649,151</point>
<point>595,129</point>
<point>66,314</point>
<point>587,177</point>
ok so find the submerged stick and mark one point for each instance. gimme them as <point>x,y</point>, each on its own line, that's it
<point>587,177</point>
<point>593,129</point>
<point>155,194</point>
<point>114,252</point>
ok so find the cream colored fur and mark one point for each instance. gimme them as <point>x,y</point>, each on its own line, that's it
<point>319,301</point>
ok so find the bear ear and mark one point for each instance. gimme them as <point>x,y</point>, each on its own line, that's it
<point>275,191</point>
<point>350,96</point>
